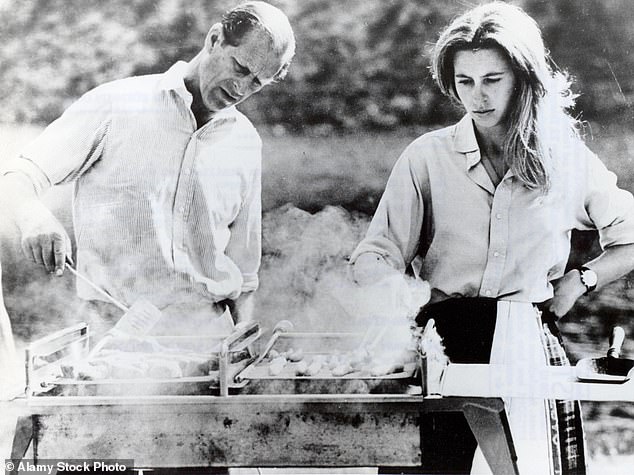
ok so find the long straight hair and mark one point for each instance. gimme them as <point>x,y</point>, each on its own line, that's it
<point>538,116</point>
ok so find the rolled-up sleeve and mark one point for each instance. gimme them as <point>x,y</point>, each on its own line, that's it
<point>609,209</point>
<point>68,146</point>
<point>395,230</point>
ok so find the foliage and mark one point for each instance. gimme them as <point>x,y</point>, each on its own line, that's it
<point>360,64</point>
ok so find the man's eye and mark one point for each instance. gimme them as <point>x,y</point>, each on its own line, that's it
<point>491,80</point>
<point>464,82</point>
<point>240,69</point>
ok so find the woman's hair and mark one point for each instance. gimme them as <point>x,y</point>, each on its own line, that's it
<point>542,93</point>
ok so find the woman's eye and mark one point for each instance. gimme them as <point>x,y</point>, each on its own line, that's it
<point>464,82</point>
<point>491,80</point>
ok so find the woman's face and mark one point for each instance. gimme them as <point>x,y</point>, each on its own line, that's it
<point>484,82</point>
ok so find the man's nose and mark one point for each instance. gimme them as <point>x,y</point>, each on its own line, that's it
<point>240,86</point>
<point>243,85</point>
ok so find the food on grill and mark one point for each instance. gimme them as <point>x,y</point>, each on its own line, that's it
<point>135,358</point>
<point>85,371</point>
<point>165,369</point>
<point>359,358</point>
<point>386,368</point>
<point>294,355</point>
<point>304,368</point>
<point>342,369</point>
<point>288,364</point>
<point>276,365</point>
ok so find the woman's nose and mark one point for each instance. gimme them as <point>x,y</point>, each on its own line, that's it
<point>479,95</point>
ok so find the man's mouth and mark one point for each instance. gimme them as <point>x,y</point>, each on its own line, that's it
<point>227,96</point>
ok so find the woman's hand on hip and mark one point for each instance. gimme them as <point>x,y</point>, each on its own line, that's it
<point>567,289</point>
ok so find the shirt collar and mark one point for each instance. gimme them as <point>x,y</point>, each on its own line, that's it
<point>464,141</point>
<point>174,80</point>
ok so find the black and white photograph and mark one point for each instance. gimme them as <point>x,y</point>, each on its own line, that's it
<point>317,237</point>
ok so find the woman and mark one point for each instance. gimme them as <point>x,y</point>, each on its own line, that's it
<point>487,205</point>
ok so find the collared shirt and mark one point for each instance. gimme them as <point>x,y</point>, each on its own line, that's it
<point>475,239</point>
<point>162,210</point>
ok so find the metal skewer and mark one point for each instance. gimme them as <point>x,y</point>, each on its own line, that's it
<point>97,288</point>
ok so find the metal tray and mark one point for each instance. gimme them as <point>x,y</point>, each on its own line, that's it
<point>227,356</point>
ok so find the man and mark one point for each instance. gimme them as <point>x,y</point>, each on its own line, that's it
<point>166,174</point>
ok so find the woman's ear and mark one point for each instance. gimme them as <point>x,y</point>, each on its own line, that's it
<point>214,36</point>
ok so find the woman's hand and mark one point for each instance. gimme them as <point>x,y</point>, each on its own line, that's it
<point>568,289</point>
<point>370,268</point>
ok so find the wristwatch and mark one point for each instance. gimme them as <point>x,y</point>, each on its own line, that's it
<point>588,278</point>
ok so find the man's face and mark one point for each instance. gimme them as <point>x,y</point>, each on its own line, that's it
<point>230,74</point>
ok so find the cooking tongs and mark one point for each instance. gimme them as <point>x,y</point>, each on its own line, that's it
<point>610,368</point>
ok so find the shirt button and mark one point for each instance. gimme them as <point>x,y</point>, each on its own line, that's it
<point>498,216</point>
<point>487,293</point>
<point>496,254</point>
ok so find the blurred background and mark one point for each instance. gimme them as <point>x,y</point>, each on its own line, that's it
<point>358,92</point>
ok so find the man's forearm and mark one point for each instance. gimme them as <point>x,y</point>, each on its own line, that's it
<point>17,194</point>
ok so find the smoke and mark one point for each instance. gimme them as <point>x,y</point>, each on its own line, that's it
<point>304,279</point>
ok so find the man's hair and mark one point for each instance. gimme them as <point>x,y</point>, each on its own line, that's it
<point>542,93</point>
<point>241,20</point>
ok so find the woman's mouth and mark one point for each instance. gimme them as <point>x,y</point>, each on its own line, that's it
<point>483,111</point>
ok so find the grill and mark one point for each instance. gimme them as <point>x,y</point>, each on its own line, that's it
<point>238,414</point>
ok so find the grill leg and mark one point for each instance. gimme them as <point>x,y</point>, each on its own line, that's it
<point>491,429</point>
<point>21,440</point>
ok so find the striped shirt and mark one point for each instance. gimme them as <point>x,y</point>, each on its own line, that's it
<point>476,239</point>
<point>161,209</point>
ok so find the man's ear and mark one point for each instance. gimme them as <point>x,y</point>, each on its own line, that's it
<point>214,36</point>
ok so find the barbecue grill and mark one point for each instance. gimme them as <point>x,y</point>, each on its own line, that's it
<point>236,415</point>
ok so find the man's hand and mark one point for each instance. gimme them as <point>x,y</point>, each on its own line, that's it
<point>43,238</point>
<point>567,290</point>
<point>242,308</point>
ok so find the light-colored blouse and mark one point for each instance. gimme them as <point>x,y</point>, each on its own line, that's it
<point>473,239</point>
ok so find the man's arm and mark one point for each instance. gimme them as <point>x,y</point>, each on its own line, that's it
<point>42,237</point>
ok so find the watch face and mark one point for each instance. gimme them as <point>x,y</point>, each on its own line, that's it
<point>589,278</point>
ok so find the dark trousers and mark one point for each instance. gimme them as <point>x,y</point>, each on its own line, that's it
<point>466,326</point>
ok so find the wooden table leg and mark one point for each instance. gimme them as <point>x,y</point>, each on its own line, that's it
<point>22,439</point>
<point>491,429</point>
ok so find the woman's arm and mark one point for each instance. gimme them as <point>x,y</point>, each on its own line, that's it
<point>392,239</point>
<point>612,264</point>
